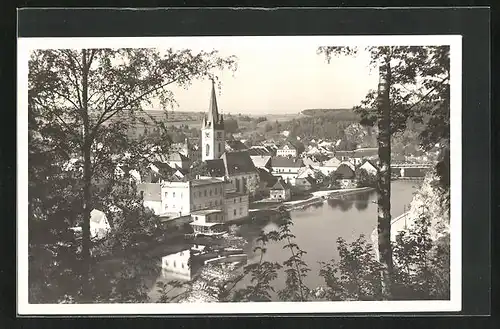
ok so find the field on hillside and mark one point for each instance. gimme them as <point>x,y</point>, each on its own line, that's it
<point>189,123</point>
<point>281,117</point>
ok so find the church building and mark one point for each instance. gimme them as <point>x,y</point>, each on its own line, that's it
<point>212,131</point>
<point>235,166</point>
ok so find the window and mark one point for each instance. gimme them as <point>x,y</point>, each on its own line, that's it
<point>235,212</point>
<point>241,211</point>
<point>173,206</point>
<point>166,194</point>
<point>175,265</point>
<point>219,136</point>
<point>173,195</point>
<point>240,199</point>
<point>142,194</point>
<point>181,195</point>
<point>205,192</point>
<point>210,204</point>
<point>207,148</point>
<point>234,200</point>
<point>182,265</point>
<point>166,206</point>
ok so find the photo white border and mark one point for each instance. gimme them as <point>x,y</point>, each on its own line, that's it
<point>25,45</point>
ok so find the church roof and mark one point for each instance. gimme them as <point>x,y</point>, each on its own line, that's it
<point>267,177</point>
<point>237,163</point>
<point>215,167</point>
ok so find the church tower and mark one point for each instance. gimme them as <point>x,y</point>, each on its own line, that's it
<point>212,131</point>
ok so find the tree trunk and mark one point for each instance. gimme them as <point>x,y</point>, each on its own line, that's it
<point>384,179</point>
<point>87,203</point>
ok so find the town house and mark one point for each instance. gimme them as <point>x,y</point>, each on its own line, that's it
<point>288,149</point>
<point>288,168</point>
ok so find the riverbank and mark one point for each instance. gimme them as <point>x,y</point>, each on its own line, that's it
<point>320,196</point>
<point>316,230</point>
<point>317,196</point>
<point>398,224</point>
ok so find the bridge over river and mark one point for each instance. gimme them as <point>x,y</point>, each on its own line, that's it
<point>410,170</point>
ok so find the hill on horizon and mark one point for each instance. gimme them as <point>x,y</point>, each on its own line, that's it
<point>324,112</point>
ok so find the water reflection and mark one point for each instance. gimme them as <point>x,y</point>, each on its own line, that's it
<point>361,205</point>
<point>334,203</point>
<point>346,205</point>
<point>317,229</point>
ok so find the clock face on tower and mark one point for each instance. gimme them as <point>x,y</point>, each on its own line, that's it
<point>207,134</point>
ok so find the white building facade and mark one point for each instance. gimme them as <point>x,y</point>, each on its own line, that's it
<point>182,198</point>
<point>287,150</point>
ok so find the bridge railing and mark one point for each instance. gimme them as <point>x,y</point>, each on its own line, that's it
<point>406,164</point>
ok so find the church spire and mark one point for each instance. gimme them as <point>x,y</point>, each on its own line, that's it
<point>213,111</point>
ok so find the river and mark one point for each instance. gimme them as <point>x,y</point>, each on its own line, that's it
<point>318,226</point>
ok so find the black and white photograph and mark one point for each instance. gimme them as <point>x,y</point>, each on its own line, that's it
<point>239,174</point>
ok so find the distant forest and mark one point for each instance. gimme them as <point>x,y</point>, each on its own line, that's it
<point>330,124</point>
<point>348,113</point>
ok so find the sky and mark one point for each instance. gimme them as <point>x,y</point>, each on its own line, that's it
<point>276,76</point>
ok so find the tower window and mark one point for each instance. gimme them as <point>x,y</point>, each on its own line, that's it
<point>220,147</point>
<point>207,148</point>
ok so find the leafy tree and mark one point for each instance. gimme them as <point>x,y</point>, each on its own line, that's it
<point>82,97</point>
<point>231,125</point>
<point>346,145</point>
<point>295,268</point>
<point>268,127</point>
<point>355,276</point>
<point>413,82</point>
<point>422,264</point>
<point>261,274</point>
<point>364,179</point>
